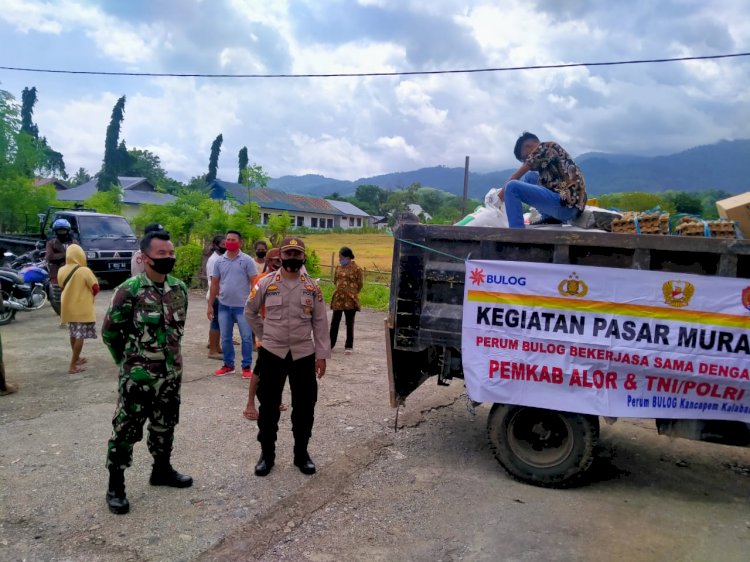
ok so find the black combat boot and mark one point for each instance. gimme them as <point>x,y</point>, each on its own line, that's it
<point>164,475</point>
<point>265,463</point>
<point>116,500</point>
<point>303,461</point>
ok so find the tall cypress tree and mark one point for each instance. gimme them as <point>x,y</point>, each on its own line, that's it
<point>28,101</point>
<point>243,163</point>
<point>110,166</point>
<point>213,161</point>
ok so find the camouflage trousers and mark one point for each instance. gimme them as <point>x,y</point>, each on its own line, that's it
<point>150,393</point>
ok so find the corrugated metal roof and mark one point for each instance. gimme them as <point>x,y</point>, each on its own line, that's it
<point>272,199</point>
<point>130,196</point>
<point>348,208</point>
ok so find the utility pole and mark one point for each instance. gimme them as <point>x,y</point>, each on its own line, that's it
<point>466,185</point>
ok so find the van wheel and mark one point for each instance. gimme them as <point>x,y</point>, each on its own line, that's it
<point>542,447</point>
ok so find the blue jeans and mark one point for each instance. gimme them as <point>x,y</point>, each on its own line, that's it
<point>228,315</point>
<point>544,200</point>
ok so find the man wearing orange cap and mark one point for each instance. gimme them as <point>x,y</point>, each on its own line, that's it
<point>294,343</point>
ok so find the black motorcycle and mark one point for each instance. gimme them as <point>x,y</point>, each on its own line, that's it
<point>23,290</point>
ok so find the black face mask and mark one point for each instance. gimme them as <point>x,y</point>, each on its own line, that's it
<point>261,254</point>
<point>63,235</point>
<point>221,251</point>
<point>292,265</point>
<point>162,266</point>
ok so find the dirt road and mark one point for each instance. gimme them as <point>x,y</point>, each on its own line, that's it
<point>431,491</point>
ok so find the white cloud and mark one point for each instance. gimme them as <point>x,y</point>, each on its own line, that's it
<point>398,143</point>
<point>415,102</point>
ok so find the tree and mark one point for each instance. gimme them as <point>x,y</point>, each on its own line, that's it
<point>28,101</point>
<point>10,124</point>
<point>708,201</point>
<point>81,177</point>
<point>106,201</point>
<point>682,202</point>
<point>112,158</point>
<point>243,162</point>
<point>371,198</point>
<point>279,226</point>
<point>213,160</point>
<point>253,177</point>
<point>35,156</point>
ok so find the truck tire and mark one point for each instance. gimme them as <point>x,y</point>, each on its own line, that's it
<point>542,447</point>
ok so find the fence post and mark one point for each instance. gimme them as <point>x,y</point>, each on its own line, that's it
<point>333,268</point>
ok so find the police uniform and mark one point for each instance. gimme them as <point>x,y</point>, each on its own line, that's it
<point>293,335</point>
<point>143,329</point>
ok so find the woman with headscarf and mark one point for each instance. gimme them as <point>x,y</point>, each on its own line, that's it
<point>349,279</point>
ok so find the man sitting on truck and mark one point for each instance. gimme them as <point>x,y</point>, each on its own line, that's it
<point>548,180</point>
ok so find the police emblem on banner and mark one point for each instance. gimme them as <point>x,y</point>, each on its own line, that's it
<point>746,297</point>
<point>573,287</point>
<point>677,293</point>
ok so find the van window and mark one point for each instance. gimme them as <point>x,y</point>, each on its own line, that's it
<point>106,227</point>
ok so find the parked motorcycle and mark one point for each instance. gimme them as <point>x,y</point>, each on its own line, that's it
<point>23,291</point>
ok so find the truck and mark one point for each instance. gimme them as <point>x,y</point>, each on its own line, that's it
<point>108,240</point>
<point>540,446</point>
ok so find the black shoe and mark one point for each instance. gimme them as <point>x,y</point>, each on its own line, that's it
<point>168,476</point>
<point>264,465</point>
<point>305,465</point>
<point>117,501</point>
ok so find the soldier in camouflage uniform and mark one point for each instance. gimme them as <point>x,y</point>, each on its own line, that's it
<point>143,329</point>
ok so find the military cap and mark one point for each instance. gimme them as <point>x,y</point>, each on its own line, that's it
<point>292,243</point>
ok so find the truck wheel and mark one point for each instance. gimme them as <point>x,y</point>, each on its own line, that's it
<point>542,447</point>
<point>7,314</point>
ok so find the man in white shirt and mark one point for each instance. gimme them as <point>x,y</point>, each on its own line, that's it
<point>214,334</point>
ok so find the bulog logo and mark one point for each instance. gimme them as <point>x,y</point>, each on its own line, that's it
<point>746,297</point>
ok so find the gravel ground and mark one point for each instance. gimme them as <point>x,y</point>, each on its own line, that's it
<point>431,491</point>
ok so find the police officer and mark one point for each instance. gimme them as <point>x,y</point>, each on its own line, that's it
<point>143,329</point>
<point>294,309</point>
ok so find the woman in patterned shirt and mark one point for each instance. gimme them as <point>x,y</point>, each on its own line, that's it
<point>348,279</point>
<point>549,180</point>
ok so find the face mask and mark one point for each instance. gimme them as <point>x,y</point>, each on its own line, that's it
<point>344,261</point>
<point>292,265</point>
<point>232,246</point>
<point>62,235</point>
<point>221,251</point>
<point>162,265</point>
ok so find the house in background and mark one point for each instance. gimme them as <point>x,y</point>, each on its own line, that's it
<point>353,216</point>
<point>381,223</point>
<point>308,212</point>
<point>59,185</point>
<point>135,192</point>
<point>419,211</point>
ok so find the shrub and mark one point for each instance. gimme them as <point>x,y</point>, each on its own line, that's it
<point>312,264</point>
<point>189,258</point>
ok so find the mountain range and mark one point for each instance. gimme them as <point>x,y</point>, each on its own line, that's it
<point>716,166</point>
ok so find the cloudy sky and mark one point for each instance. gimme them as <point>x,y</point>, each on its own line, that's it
<point>349,128</point>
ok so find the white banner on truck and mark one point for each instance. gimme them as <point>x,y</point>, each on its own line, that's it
<point>605,341</point>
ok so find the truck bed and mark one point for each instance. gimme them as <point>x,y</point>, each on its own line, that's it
<point>427,285</point>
